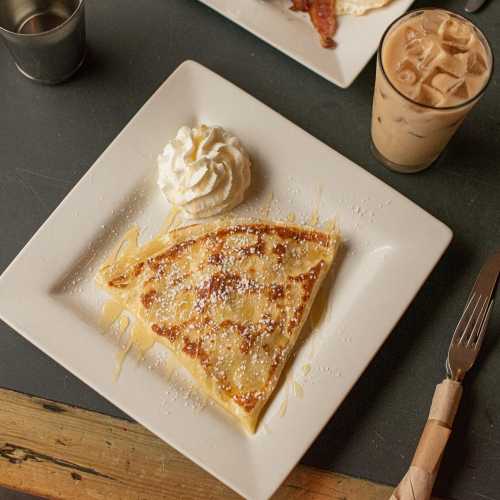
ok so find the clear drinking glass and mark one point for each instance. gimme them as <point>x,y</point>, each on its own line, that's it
<point>407,136</point>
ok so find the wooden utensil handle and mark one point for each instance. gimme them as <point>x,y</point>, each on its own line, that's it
<point>418,482</point>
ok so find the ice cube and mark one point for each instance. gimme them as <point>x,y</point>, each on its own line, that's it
<point>476,63</point>
<point>415,47</point>
<point>412,34</point>
<point>432,21</point>
<point>456,34</point>
<point>432,50</point>
<point>454,65</point>
<point>407,72</point>
<point>444,82</point>
<point>422,47</point>
<point>460,90</point>
<point>428,96</point>
<point>454,48</point>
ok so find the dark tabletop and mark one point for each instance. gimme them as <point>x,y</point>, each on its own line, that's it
<point>50,136</point>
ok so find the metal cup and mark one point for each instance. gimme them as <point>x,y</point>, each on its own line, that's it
<point>45,37</point>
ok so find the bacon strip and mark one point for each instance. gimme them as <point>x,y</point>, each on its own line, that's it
<point>300,5</point>
<point>322,14</point>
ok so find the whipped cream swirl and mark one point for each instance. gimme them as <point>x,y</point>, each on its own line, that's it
<point>204,171</point>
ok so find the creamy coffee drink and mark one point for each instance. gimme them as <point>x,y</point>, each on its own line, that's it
<point>432,67</point>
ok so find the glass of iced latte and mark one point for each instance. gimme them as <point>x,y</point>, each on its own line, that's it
<point>432,68</point>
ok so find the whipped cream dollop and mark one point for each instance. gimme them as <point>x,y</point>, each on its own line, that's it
<point>204,171</point>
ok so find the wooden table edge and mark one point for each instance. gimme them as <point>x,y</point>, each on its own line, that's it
<point>59,451</point>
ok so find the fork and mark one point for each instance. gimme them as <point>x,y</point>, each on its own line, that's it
<point>465,344</point>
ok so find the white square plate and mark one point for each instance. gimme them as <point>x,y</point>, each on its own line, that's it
<point>292,32</point>
<point>390,247</point>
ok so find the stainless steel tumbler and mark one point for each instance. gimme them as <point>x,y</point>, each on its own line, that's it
<point>45,37</point>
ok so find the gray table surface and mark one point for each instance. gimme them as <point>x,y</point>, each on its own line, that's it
<point>50,136</point>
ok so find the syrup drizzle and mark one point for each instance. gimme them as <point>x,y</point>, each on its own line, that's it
<point>142,338</point>
<point>170,221</point>
<point>123,325</point>
<point>283,407</point>
<point>266,208</point>
<point>110,312</point>
<point>125,247</point>
<point>120,358</point>
<point>298,390</point>
<point>314,220</point>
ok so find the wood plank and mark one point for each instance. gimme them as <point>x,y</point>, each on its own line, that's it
<point>59,451</point>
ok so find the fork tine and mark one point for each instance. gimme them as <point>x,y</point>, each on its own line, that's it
<point>469,327</point>
<point>478,322</point>
<point>480,338</point>
<point>463,320</point>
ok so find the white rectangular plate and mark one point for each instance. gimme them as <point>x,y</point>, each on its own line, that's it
<point>390,247</point>
<point>292,32</point>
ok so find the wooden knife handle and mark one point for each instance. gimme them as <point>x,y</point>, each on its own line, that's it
<point>418,482</point>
